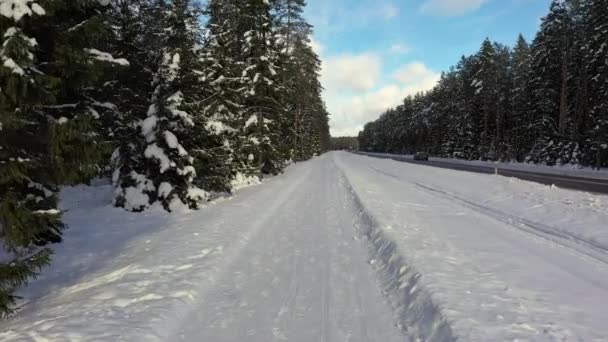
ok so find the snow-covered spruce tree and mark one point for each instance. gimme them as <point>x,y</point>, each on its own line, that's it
<point>289,27</point>
<point>521,125</point>
<point>303,124</point>
<point>261,130</point>
<point>549,85</point>
<point>131,37</point>
<point>486,93</point>
<point>448,102</point>
<point>445,109</point>
<point>250,68</point>
<point>314,136</point>
<point>224,90</point>
<point>503,119</point>
<point>471,117</point>
<point>28,209</point>
<point>48,138</point>
<point>209,141</point>
<point>578,87</point>
<point>596,23</point>
<point>459,94</point>
<point>322,125</point>
<point>165,170</point>
<point>137,26</point>
<point>470,121</point>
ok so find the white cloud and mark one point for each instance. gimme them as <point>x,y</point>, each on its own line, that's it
<point>355,73</point>
<point>399,49</point>
<point>451,7</point>
<point>330,16</point>
<point>389,11</point>
<point>415,72</point>
<point>317,47</point>
<point>349,114</point>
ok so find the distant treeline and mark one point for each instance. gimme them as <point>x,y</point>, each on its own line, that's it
<point>545,102</point>
<point>344,143</point>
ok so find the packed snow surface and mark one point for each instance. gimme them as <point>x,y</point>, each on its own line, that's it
<point>341,248</point>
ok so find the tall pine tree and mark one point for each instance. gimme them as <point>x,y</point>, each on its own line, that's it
<point>549,84</point>
<point>50,67</point>
<point>166,169</point>
<point>596,24</point>
<point>521,125</point>
<point>261,130</point>
<point>223,67</point>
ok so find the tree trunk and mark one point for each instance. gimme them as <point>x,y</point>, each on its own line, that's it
<point>563,100</point>
<point>563,103</point>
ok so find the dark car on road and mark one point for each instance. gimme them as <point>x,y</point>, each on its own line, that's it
<point>421,156</point>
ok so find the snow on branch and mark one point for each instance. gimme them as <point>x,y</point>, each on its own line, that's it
<point>14,36</point>
<point>106,57</point>
<point>15,68</point>
<point>154,151</point>
<point>16,9</point>
<point>75,27</point>
<point>173,143</point>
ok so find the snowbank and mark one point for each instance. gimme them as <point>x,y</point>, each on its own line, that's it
<point>420,317</point>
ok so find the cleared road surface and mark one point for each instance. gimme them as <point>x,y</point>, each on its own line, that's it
<point>595,185</point>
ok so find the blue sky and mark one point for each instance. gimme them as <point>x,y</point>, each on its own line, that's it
<point>375,52</point>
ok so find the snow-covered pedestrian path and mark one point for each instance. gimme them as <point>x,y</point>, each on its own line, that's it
<point>303,276</point>
<point>340,248</point>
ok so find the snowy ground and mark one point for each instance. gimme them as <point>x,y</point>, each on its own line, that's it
<point>340,248</point>
<point>502,259</point>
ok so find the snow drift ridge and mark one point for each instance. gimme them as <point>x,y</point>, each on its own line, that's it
<point>419,317</point>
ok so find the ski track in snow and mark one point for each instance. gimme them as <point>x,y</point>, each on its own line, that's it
<point>304,277</point>
<point>340,248</point>
<point>564,238</point>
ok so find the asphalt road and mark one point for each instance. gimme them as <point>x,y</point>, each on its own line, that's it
<point>575,183</point>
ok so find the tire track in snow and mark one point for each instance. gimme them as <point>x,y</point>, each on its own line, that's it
<point>564,239</point>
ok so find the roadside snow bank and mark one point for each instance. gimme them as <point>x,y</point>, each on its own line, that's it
<point>403,286</point>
